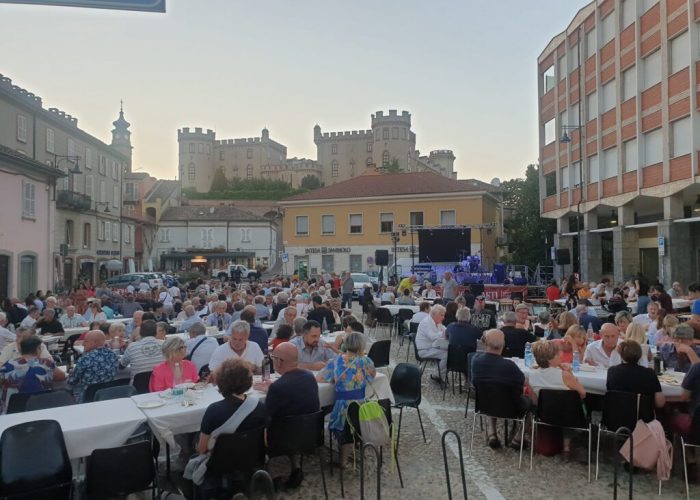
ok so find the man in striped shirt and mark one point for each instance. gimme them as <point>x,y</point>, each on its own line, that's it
<point>146,353</point>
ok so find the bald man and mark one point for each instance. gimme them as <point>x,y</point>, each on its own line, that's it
<point>604,352</point>
<point>97,364</point>
<point>294,393</point>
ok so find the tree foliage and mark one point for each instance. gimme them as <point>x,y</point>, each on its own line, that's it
<point>219,181</point>
<point>244,189</point>
<point>310,182</point>
<point>529,235</point>
<point>394,167</point>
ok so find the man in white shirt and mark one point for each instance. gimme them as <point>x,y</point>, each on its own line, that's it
<point>71,319</point>
<point>199,346</point>
<point>423,312</point>
<point>31,318</point>
<point>238,346</point>
<point>648,320</point>
<point>431,341</point>
<point>429,292</point>
<point>603,352</point>
<point>6,336</point>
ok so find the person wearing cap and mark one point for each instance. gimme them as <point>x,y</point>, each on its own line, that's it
<point>681,353</point>
<point>482,318</point>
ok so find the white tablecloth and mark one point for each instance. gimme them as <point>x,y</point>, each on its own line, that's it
<point>595,381</point>
<point>87,427</point>
<point>173,418</point>
<point>677,304</point>
<point>394,308</point>
<point>67,332</point>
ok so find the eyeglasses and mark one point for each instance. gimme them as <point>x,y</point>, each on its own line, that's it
<point>276,357</point>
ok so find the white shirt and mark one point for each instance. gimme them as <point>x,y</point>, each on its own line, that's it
<point>252,354</point>
<point>174,292</point>
<point>648,323</point>
<point>428,332</point>
<point>387,297</point>
<point>429,294</point>
<point>203,353</point>
<point>28,321</point>
<point>166,298</point>
<point>130,289</point>
<point>419,316</point>
<point>595,352</point>
<point>6,337</point>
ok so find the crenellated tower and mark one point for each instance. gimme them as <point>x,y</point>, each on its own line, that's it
<point>196,158</point>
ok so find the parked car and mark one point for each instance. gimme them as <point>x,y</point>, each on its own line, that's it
<point>359,282</point>
<point>124,280</point>
<point>373,277</point>
<point>228,272</point>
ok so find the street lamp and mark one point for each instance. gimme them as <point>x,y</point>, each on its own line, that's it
<point>105,203</point>
<point>57,159</point>
<point>395,238</point>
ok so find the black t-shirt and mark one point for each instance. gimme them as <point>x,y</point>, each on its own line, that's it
<point>492,368</point>
<point>515,339</point>
<point>463,334</point>
<point>633,378</point>
<point>276,310</point>
<point>319,314</point>
<point>295,393</point>
<point>484,319</point>
<point>218,413</point>
<point>691,383</point>
<point>53,326</point>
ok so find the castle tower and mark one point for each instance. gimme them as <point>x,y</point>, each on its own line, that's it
<point>393,138</point>
<point>121,136</point>
<point>445,159</point>
<point>196,158</point>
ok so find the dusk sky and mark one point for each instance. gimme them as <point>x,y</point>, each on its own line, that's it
<point>466,70</point>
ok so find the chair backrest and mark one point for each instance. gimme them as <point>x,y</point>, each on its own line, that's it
<point>105,477</point>
<point>386,302</point>
<point>561,408</point>
<point>470,358</point>
<point>33,458</point>
<point>405,314</point>
<point>51,399</point>
<point>92,389</point>
<point>413,327</point>
<point>141,382</point>
<point>406,382</point>
<point>457,358</point>
<point>379,353</point>
<point>295,434</point>
<point>694,435</point>
<point>70,340</point>
<point>621,409</point>
<point>226,456</point>
<point>415,349</point>
<point>18,401</point>
<point>497,400</point>
<point>116,392</point>
<point>383,315</point>
<point>353,419</point>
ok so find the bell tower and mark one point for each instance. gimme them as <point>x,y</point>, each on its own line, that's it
<point>121,136</point>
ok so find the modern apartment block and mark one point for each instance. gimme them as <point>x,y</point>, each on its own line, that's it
<point>619,133</point>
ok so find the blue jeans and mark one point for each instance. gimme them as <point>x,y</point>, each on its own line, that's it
<point>347,299</point>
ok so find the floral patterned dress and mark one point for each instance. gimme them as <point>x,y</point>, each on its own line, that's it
<point>350,374</point>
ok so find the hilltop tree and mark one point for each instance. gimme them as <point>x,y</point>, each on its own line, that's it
<point>393,167</point>
<point>219,182</point>
<point>310,182</point>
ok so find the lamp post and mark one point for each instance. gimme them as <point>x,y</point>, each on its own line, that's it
<point>565,139</point>
<point>395,238</point>
<point>57,159</point>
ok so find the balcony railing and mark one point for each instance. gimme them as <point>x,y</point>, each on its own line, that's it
<point>73,201</point>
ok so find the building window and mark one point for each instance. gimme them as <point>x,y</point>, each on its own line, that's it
<point>50,138</point>
<point>87,235</point>
<point>681,137</point>
<point>564,178</point>
<point>190,172</point>
<point>221,155</point>
<point>334,148</point>
<point>334,169</point>
<point>108,230</point>
<point>356,263</point>
<point>302,225</point>
<point>376,134</point>
<point>416,218</point>
<point>200,147</point>
<point>395,132</point>
<point>245,235</point>
<point>207,236</point>
<point>651,65</point>
<point>103,165</point>
<point>355,223</point>
<point>629,83</point>
<point>115,170</point>
<point>127,234</point>
<point>576,174</point>
<point>593,169</point>
<point>249,153</point>
<point>328,224</point>
<point>369,147</point>
<point>249,171</point>
<point>591,46</point>
<point>115,196</point>
<point>591,106</point>
<point>653,147</point>
<point>550,184</point>
<point>648,4</point>
<point>192,147</point>
<point>550,132</point>
<point>448,218</point>
<point>628,12</point>
<point>548,79</point>
<point>404,133</point>
<point>369,161</point>
<point>385,158</point>
<point>21,128</point>
<point>27,275</point>
<point>573,59</point>
<point>680,53</point>
<point>164,235</point>
<point>88,158</point>
<point>89,185</point>
<point>28,199</point>
<point>208,149</point>
<point>385,132</point>
<point>610,163</point>
<point>631,159</point>
<point>71,147</point>
<point>70,232</point>
<point>609,96</point>
<point>103,192</point>
<point>115,232</point>
<point>101,230</point>
<point>386,222</point>
<point>327,263</point>
<point>561,67</point>
<point>574,115</point>
<point>608,28</point>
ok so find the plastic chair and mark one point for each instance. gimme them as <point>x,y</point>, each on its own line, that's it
<point>18,401</point>
<point>141,382</point>
<point>423,362</point>
<point>412,330</point>
<point>384,318</point>
<point>498,401</point>
<point>564,409</point>
<point>51,399</point>
<point>468,383</point>
<point>116,392</point>
<point>401,317</point>
<point>105,477</point>
<point>692,441</point>
<point>261,486</point>
<point>92,389</point>
<point>34,462</point>
<point>68,345</point>
<point>298,435</point>
<point>406,386</point>
<point>379,353</point>
<point>622,409</point>
<point>456,364</point>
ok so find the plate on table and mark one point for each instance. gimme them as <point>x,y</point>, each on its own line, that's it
<point>150,404</point>
<point>672,379</point>
<point>587,368</point>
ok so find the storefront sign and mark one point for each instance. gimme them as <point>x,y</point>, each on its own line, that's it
<point>107,252</point>
<point>328,250</point>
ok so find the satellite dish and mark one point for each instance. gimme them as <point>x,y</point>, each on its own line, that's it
<point>496,182</point>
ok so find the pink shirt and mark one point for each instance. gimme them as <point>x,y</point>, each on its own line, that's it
<point>162,376</point>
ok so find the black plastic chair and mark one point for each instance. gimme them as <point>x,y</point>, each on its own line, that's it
<point>116,392</point>
<point>406,386</point>
<point>34,462</point>
<point>18,401</point>
<point>400,319</point>
<point>692,441</point>
<point>51,399</point>
<point>468,383</point>
<point>92,389</point>
<point>68,346</point>
<point>261,486</point>
<point>298,435</point>
<point>409,336</point>
<point>105,477</point>
<point>498,400</point>
<point>141,382</point>
<point>384,318</point>
<point>423,362</point>
<point>379,353</point>
<point>457,365</point>
<point>622,409</point>
<point>563,409</point>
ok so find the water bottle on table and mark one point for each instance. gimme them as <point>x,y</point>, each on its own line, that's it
<point>528,355</point>
<point>576,365</point>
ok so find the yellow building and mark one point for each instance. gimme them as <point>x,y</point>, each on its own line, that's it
<point>339,227</point>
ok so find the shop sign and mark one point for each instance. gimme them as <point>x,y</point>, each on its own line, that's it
<point>328,250</point>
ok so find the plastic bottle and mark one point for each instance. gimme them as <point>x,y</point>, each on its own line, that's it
<point>528,355</point>
<point>324,326</point>
<point>266,368</point>
<point>177,374</point>
<point>576,365</point>
<point>589,333</point>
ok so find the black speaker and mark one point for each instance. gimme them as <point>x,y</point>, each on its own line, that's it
<point>563,256</point>
<point>381,257</point>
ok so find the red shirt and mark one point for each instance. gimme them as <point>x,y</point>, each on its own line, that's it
<point>553,293</point>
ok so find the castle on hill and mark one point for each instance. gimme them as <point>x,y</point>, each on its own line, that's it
<point>339,155</point>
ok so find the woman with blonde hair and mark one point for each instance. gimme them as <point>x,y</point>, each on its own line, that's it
<point>636,332</point>
<point>622,320</point>
<point>574,341</point>
<point>563,322</point>
<point>664,334</point>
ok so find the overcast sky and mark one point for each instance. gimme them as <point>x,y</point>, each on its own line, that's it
<point>466,70</point>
